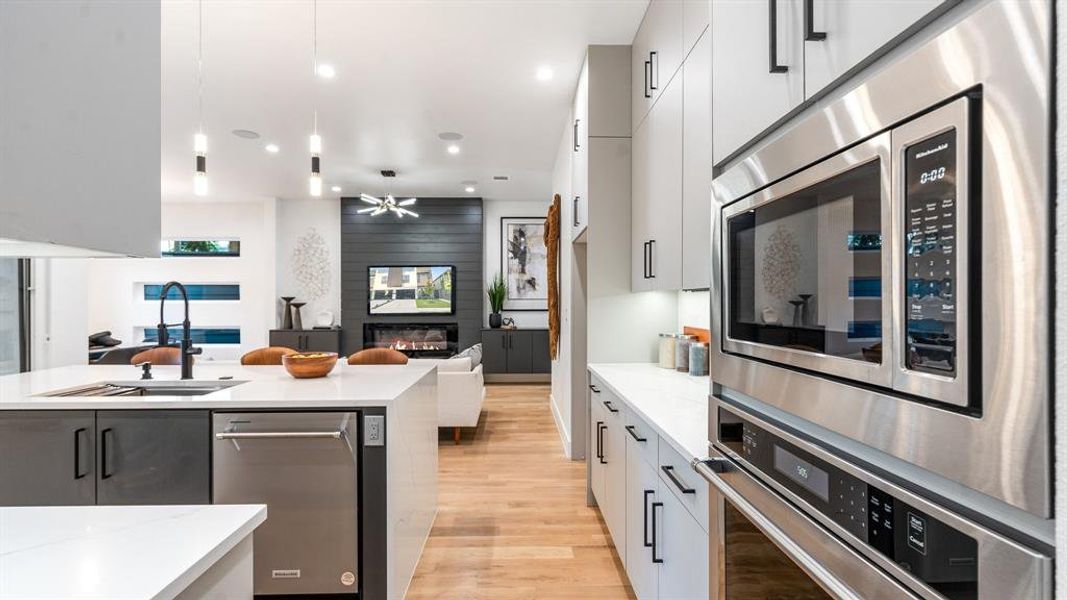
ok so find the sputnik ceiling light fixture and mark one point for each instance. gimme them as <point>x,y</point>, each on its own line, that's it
<point>200,139</point>
<point>389,203</point>
<point>315,142</point>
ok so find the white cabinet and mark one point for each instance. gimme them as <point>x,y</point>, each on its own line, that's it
<point>642,487</point>
<point>608,464</point>
<point>696,16</point>
<point>758,77</point>
<point>696,166</point>
<point>769,57</point>
<point>682,546</point>
<point>657,195</point>
<point>658,51</point>
<point>844,33</point>
<point>600,111</point>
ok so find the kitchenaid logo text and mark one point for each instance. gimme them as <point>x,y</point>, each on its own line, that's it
<point>937,148</point>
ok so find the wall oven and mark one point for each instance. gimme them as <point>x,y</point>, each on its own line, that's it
<point>881,269</point>
<point>790,520</point>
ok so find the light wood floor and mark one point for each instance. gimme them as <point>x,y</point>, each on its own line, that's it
<point>512,522</point>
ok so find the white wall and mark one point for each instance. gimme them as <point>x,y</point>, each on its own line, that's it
<point>561,367</point>
<point>59,312</point>
<point>116,303</point>
<point>694,310</point>
<point>299,223</point>
<point>493,211</point>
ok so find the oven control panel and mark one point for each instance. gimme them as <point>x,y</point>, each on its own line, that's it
<point>932,551</point>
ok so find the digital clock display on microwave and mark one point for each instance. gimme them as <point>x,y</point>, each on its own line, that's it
<point>931,253</point>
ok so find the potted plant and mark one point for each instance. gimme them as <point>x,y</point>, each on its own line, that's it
<point>496,292</point>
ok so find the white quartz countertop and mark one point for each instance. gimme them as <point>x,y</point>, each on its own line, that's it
<point>672,403</point>
<point>264,387</point>
<point>115,552</point>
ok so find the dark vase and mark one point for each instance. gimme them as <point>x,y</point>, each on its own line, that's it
<point>298,323</point>
<point>495,320</point>
<point>287,312</point>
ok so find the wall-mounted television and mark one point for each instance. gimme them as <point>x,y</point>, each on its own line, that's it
<point>412,290</point>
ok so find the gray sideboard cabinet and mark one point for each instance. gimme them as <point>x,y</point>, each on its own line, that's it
<point>515,351</point>
<point>64,458</point>
<point>307,340</point>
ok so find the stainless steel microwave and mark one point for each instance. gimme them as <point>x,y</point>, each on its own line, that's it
<point>882,268</point>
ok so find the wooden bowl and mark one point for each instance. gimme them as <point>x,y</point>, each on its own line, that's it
<point>306,365</point>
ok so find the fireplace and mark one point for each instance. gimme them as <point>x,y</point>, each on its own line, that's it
<point>417,340</point>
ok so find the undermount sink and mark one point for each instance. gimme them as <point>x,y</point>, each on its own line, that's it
<point>145,388</point>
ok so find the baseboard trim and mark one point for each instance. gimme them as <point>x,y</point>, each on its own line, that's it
<point>518,378</point>
<point>564,435</point>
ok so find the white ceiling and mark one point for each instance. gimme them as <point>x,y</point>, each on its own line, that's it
<point>406,71</point>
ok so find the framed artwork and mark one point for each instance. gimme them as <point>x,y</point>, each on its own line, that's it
<point>524,263</point>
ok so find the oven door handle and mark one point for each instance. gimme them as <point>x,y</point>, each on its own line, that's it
<point>863,579</point>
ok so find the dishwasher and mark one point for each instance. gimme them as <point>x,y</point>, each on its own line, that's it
<point>305,468</point>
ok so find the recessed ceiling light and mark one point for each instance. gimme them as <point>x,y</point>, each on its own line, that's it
<point>469,189</point>
<point>335,188</point>
<point>326,71</point>
<point>544,73</point>
<point>453,149</point>
<point>247,134</point>
<point>272,148</point>
<point>450,136</point>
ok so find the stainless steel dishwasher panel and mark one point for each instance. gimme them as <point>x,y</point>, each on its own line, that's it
<point>304,467</point>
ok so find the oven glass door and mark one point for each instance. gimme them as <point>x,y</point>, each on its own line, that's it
<point>807,275</point>
<point>756,568</point>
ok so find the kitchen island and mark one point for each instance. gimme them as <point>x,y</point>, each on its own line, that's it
<point>163,448</point>
<point>130,552</point>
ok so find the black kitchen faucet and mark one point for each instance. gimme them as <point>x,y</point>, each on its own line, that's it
<point>187,350</point>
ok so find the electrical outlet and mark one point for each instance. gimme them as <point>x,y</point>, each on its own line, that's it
<point>374,430</point>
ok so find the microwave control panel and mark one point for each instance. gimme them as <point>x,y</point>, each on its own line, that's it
<point>935,553</point>
<point>931,254</point>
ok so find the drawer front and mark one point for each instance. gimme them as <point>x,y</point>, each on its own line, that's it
<point>636,431</point>
<point>677,476</point>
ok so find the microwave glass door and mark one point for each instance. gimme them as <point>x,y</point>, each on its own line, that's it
<point>808,265</point>
<point>756,568</point>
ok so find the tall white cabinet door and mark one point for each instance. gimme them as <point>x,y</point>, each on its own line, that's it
<point>665,188</point>
<point>664,22</point>
<point>696,18</point>
<point>596,447</point>
<point>850,32</point>
<point>748,97</point>
<point>580,155</point>
<point>640,71</point>
<point>683,547</point>
<point>639,210</point>
<point>696,168</point>
<point>641,489</point>
<point>614,506</point>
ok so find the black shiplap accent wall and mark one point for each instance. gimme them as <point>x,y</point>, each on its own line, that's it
<point>447,232</point>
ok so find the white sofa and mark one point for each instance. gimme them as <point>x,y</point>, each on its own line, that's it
<point>460,394</point>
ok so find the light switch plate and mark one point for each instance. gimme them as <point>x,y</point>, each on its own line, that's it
<point>374,430</point>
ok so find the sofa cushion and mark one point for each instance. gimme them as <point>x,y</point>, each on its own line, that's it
<point>456,364</point>
<point>474,353</point>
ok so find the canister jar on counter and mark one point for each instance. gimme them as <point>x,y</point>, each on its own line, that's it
<point>667,345</point>
<point>681,353</point>
<point>698,359</point>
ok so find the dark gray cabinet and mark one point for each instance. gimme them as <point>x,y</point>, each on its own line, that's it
<point>153,457</point>
<point>47,458</point>
<point>307,340</point>
<point>517,351</point>
<point>50,458</point>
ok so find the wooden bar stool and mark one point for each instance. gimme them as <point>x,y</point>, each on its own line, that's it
<point>271,355</point>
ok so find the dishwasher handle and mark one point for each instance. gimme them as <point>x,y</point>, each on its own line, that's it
<point>279,435</point>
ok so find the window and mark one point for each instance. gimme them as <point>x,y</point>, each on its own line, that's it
<point>200,335</point>
<point>14,315</point>
<point>196,291</point>
<point>200,248</point>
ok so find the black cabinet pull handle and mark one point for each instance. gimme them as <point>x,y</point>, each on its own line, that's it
<point>651,259</point>
<point>810,35</point>
<point>576,221</point>
<point>595,389</point>
<point>599,441</point>
<point>653,62</point>
<point>576,144</point>
<point>633,433</point>
<point>773,39</point>
<point>78,454</point>
<point>104,436</point>
<point>600,436</point>
<point>655,558</point>
<point>648,67</point>
<point>669,470</point>
<point>644,257</point>
<point>504,341</point>
<point>644,520</point>
<point>611,407</point>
